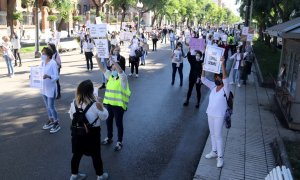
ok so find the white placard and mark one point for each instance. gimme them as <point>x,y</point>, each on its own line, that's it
<point>216,36</point>
<point>250,37</point>
<point>212,58</point>
<point>245,30</point>
<point>102,48</point>
<point>98,30</point>
<point>148,29</point>
<point>36,77</point>
<point>122,36</point>
<point>224,38</point>
<point>98,20</point>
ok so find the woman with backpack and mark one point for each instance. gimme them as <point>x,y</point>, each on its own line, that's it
<point>217,105</point>
<point>89,143</point>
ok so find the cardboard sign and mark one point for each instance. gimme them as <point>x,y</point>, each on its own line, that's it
<point>212,59</point>
<point>216,36</point>
<point>98,30</point>
<point>245,30</point>
<point>102,48</point>
<point>36,77</point>
<point>197,44</point>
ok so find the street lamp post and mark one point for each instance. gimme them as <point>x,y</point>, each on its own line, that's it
<point>139,7</point>
<point>37,53</point>
<point>175,12</point>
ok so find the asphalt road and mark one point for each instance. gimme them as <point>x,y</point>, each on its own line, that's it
<point>162,139</point>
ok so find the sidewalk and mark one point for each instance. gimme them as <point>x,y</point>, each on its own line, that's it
<point>248,154</point>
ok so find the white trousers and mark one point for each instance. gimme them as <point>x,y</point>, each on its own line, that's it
<point>215,125</point>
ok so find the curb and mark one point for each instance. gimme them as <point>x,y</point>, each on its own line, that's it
<point>280,154</point>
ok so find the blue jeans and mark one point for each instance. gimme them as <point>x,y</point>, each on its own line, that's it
<point>102,74</point>
<point>10,68</point>
<point>50,106</point>
<point>172,45</point>
<point>143,57</point>
<point>236,76</point>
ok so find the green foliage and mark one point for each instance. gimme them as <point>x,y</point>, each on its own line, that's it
<point>52,18</point>
<point>27,3</point>
<point>64,7</point>
<point>77,18</point>
<point>17,16</point>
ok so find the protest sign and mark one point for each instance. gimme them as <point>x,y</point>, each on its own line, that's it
<point>36,77</point>
<point>197,44</point>
<point>102,48</point>
<point>212,58</point>
<point>216,36</point>
<point>122,36</point>
<point>250,37</point>
<point>128,36</point>
<point>148,29</point>
<point>224,38</point>
<point>98,30</point>
<point>245,30</point>
<point>249,34</point>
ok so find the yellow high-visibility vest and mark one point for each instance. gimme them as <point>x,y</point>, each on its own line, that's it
<point>115,95</point>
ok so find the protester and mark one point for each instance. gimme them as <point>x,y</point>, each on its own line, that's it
<point>177,63</point>
<point>8,55</point>
<point>164,34</point>
<point>216,109</point>
<point>133,59</point>
<point>90,144</point>
<point>154,37</point>
<point>145,47</point>
<point>56,57</point>
<point>49,91</point>
<point>195,76</point>
<point>88,47</point>
<point>16,44</point>
<point>116,100</point>
<point>172,39</point>
<point>237,57</point>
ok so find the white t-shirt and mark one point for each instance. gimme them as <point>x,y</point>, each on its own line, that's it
<point>217,104</point>
<point>236,57</point>
<point>177,58</point>
<point>91,114</point>
<point>49,85</point>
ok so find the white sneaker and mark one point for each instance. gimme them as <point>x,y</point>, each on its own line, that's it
<point>79,176</point>
<point>136,75</point>
<point>130,74</point>
<point>220,162</point>
<point>239,85</point>
<point>104,176</point>
<point>231,83</point>
<point>211,155</point>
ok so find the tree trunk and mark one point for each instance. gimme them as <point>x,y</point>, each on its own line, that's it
<point>62,21</point>
<point>11,5</point>
<point>97,11</point>
<point>153,19</point>
<point>160,20</point>
<point>122,18</point>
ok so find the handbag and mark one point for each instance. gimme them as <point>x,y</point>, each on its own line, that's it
<point>229,110</point>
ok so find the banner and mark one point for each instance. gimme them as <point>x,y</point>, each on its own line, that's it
<point>98,30</point>
<point>197,44</point>
<point>212,58</point>
<point>102,48</point>
<point>36,77</point>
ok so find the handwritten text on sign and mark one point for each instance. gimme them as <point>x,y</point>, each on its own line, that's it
<point>102,48</point>
<point>197,44</point>
<point>36,77</point>
<point>98,30</point>
<point>212,59</point>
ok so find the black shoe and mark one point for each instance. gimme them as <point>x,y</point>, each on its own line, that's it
<point>197,106</point>
<point>118,146</point>
<point>172,83</point>
<point>180,84</point>
<point>20,65</point>
<point>186,103</point>
<point>16,65</point>
<point>106,141</point>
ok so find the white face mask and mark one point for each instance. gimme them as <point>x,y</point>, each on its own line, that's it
<point>44,57</point>
<point>198,58</point>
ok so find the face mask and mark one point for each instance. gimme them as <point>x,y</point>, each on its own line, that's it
<point>238,51</point>
<point>115,53</point>
<point>43,57</point>
<point>198,58</point>
<point>218,82</point>
<point>114,73</point>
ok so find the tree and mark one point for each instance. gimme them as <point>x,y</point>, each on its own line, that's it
<point>11,7</point>
<point>64,7</point>
<point>123,5</point>
<point>99,4</point>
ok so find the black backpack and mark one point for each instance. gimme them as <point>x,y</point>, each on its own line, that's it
<point>229,109</point>
<point>138,53</point>
<point>80,125</point>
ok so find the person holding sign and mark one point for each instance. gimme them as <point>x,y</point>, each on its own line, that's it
<point>88,47</point>
<point>216,109</point>
<point>116,100</point>
<point>49,90</point>
<point>195,76</point>
<point>177,63</point>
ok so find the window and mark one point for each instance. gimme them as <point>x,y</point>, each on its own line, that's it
<point>85,9</point>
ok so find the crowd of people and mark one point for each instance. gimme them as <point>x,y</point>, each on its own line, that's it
<point>238,57</point>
